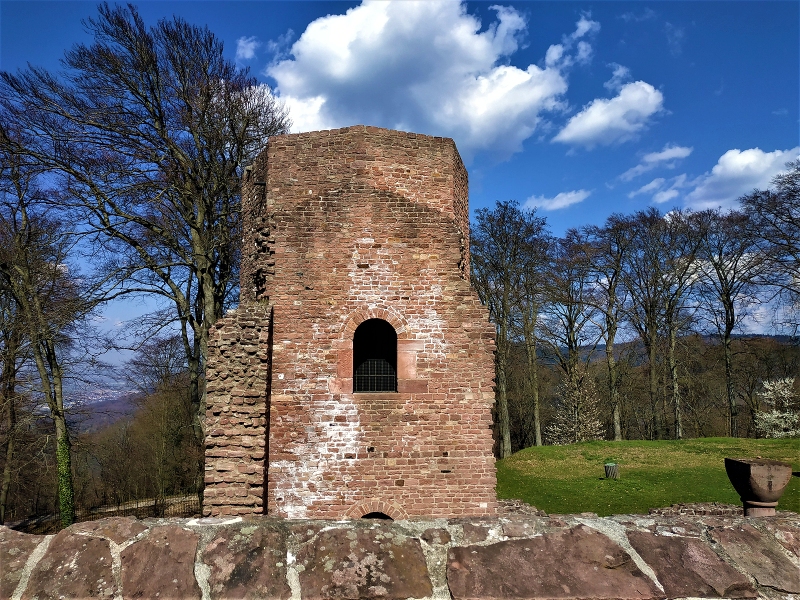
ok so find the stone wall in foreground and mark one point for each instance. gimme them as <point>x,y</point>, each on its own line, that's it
<point>576,556</point>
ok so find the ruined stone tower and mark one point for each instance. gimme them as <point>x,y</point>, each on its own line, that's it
<point>356,375</point>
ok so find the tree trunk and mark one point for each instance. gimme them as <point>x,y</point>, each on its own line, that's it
<point>11,425</point>
<point>51,378</point>
<point>533,378</point>
<point>653,391</point>
<point>733,425</point>
<point>676,392</point>
<point>613,392</point>
<point>8,394</point>
<point>502,365</point>
<point>502,401</point>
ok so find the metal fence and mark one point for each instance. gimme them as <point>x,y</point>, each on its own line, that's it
<point>186,505</point>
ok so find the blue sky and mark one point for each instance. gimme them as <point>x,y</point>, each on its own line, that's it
<point>579,108</point>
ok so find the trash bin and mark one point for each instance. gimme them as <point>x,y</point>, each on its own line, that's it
<point>612,470</point>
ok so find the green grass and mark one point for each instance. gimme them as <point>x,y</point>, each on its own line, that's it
<point>570,479</point>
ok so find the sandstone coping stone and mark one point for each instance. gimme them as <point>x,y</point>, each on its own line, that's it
<point>74,566</point>
<point>115,529</point>
<point>15,549</point>
<point>247,561</point>
<point>363,563</point>
<point>686,567</point>
<point>574,563</point>
<point>790,539</point>
<point>474,533</point>
<point>570,556</point>
<point>436,535</point>
<point>161,565</point>
<point>761,557</point>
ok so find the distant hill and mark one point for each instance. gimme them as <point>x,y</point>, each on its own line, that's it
<point>96,414</point>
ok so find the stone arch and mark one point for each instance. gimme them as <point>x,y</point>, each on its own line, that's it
<point>407,349</point>
<point>391,509</point>
<point>357,317</point>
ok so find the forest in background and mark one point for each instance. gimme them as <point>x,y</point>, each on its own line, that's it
<point>637,328</point>
<point>120,178</point>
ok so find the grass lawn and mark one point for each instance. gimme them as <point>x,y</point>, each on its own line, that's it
<point>570,479</point>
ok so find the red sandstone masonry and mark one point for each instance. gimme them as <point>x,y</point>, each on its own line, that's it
<point>339,227</point>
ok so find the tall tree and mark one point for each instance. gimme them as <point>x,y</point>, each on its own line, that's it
<point>731,259</point>
<point>149,129</point>
<point>567,314</point>
<point>776,214</point>
<point>643,278</point>
<point>659,273</point>
<point>567,328</point>
<point>48,303</point>
<point>682,235</point>
<point>609,246</point>
<point>503,243</point>
<point>11,356</point>
<point>529,300</point>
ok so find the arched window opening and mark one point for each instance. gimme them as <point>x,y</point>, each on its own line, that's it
<point>375,357</point>
<point>377,515</point>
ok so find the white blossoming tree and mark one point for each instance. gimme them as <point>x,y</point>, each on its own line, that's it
<point>782,421</point>
<point>577,417</point>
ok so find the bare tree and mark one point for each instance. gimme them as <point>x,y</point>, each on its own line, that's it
<point>504,247</point>
<point>570,336</point>
<point>682,235</point>
<point>12,353</point>
<point>149,130</point>
<point>731,259</point>
<point>776,215</point>
<point>48,303</point>
<point>529,300</point>
<point>567,327</point>
<point>609,246</point>
<point>644,280</point>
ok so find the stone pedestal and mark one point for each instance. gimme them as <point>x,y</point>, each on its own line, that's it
<point>760,483</point>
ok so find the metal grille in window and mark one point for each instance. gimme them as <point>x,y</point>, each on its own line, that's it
<point>375,375</point>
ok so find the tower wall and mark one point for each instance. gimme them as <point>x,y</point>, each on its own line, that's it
<point>339,227</point>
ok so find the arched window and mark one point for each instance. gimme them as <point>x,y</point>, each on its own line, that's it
<point>377,515</point>
<point>375,357</point>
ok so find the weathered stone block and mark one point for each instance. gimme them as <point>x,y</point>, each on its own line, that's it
<point>15,548</point>
<point>74,566</point>
<point>363,563</point>
<point>760,556</point>
<point>687,567</point>
<point>573,563</point>
<point>247,562</point>
<point>161,565</point>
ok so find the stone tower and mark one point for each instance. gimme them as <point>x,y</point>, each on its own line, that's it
<point>356,376</point>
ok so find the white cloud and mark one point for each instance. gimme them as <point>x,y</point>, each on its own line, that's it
<point>584,26</point>
<point>675,38</point>
<point>668,153</point>
<point>618,78</point>
<point>425,66</point>
<point>646,15</point>
<point>665,196</point>
<point>246,47</point>
<point>561,200</point>
<point>668,158</point>
<point>661,189</point>
<point>619,119</point>
<point>653,186</point>
<point>736,173</point>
